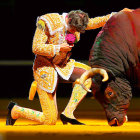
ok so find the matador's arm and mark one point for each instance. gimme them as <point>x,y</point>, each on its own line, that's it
<point>39,42</point>
<point>98,22</point>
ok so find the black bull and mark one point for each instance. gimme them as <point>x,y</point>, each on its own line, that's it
<point>117,50</point>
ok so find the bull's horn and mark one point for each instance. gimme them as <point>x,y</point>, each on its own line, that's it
<point>83,86</point>
<point>91,73</point>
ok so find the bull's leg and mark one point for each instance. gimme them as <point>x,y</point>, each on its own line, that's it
<point>48,104</point>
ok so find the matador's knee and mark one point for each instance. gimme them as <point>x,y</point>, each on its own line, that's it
<point>51,119</point>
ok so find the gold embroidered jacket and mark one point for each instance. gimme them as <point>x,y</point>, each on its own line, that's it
<point>50,61</point>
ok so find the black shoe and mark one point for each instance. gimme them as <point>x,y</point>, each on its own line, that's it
<point>66,120</point>
<point>9,120</point>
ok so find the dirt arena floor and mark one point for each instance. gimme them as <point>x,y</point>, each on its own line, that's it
<point>88,112</point>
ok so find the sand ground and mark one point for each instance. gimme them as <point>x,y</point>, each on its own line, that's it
<point>88,112</point>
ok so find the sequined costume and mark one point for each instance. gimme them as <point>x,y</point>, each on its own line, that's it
<point>51,64</point>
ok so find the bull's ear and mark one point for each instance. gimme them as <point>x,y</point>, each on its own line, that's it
<point>111,75</point>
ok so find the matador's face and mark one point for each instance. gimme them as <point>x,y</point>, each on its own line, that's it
<point>71,29</point>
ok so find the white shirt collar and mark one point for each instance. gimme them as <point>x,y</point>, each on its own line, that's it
<point>64,20</point>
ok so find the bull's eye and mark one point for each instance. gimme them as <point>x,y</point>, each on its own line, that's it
<point>110,93</point>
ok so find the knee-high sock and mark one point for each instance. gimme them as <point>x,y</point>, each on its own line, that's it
<point>27,113</point>
<point>78,94</point>
<point>49,114</point>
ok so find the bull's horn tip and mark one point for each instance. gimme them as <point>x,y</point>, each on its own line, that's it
<point>89,90</point>
<point>105,79</point>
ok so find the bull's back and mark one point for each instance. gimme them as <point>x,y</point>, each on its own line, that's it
<point>119,43</point>
<point>132,29</point>
<point>134,17</point>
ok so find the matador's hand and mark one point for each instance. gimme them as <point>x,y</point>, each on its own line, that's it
<point>64,47</point>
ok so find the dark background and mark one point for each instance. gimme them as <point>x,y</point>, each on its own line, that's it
<point>17,27</point>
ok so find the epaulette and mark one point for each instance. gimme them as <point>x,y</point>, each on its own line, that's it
<point>41,24</point>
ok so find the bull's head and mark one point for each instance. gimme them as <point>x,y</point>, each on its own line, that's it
<point>111,94</point>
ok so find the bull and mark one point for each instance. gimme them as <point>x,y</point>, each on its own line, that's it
<point>115,55</point>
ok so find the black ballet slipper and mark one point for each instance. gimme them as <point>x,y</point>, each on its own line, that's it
<point>66,120</point>
<point>9,120</point>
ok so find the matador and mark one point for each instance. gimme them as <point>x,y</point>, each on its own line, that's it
<point>52,64</point>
